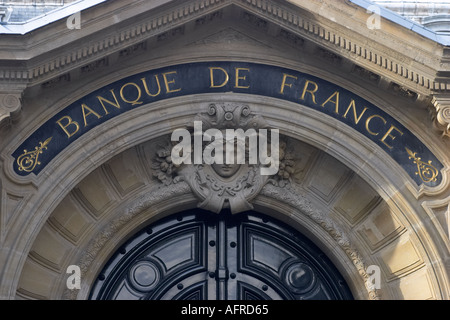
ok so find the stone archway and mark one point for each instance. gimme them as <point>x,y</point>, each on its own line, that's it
<point>350,214</point>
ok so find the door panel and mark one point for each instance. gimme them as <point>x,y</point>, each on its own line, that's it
<point>198,255</point>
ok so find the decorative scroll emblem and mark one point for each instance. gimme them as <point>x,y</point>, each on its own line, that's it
<point>230,115</point>
<point>425,170</point>
<point>29,159</point>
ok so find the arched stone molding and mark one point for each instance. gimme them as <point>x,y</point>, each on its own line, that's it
<point>144,124</point>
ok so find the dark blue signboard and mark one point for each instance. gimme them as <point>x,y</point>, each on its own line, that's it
<point>139,90</point>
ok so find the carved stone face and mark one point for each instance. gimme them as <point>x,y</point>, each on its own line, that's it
<point>225,170</point>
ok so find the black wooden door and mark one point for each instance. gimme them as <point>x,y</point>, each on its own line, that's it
<point>198,255</point>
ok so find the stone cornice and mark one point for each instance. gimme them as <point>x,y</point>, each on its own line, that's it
<point>86,48</point>
<point>412,71</point>
<point>392,51</point>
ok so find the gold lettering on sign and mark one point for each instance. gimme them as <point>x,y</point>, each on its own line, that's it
<point>284,84</point>
<point>144,82</point>
<point>425,170</point>
<point>169,82</point>
<point>389,135</point>
<point>68,123</point>
<point>138,97</point>
<point>310,91</point>
<point>369,119</point>
<point>239,77</point>
<point>90,112</point>
<point>355,116</point>
<point>102,100</point>
<point>333,101</point>
<point>211,77</point>
<point>30,159</point>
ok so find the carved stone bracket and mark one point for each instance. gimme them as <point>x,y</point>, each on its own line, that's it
<point>9,103</point>
<point>440,113</point>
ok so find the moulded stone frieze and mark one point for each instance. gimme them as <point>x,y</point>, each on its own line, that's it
<point>229,36</point>
<point>374,56</point>
<point>162,26</point>
<point>259,13</point>
<point>402,91</point>
<point>366,74</point>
